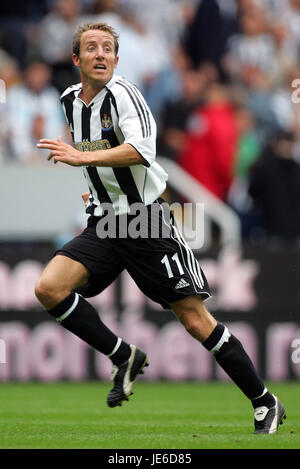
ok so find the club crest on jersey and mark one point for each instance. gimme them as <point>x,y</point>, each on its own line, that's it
<point>106,122</point>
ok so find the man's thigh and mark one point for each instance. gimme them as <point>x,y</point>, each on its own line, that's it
<point>64,273</point>
<point>98,258</point>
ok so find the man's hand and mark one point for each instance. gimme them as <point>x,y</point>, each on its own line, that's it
<point>85,198</point>
<point>61,151</point>
<point>117,157</point>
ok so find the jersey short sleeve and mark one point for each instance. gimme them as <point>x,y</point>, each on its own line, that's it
<point>135,119</point>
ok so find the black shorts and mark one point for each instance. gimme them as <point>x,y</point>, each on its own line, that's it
<point>160,261</point>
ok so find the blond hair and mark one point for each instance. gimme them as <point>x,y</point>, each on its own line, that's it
<point>90,26</point>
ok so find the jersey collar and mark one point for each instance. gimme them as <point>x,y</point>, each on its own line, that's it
<point>99,95</point>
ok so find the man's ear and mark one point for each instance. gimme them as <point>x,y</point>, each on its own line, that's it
<point>117,60</point>
<point>76,60</point>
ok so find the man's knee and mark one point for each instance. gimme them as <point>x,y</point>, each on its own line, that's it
<point>59,278</point>
<point>195,323</point>
<point>190,310</point>
<point>194,316</point>
<point>192,325</point>
<point>47,293</point>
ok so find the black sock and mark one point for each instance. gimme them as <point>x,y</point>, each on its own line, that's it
<point>232,357</point>
<point>78,316</point>
<point>266,399</point>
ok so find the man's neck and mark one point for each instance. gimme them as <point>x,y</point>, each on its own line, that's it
<point>89,91</point>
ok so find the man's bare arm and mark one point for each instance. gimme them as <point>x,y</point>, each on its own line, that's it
<point>117,157</point>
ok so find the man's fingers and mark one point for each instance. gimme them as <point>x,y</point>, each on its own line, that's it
<point>47,140</point>
<point>54,153</point>
<point>50,146</point>
<point>59,151</point>
<point>57,158</point>
<point>85,197</point>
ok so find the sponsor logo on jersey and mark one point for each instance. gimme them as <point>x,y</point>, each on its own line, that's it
<point>94,145</point>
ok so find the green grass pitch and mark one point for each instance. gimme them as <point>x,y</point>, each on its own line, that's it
<point>160,415</point>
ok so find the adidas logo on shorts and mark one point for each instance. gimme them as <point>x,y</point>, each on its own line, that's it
<point>181,284</point>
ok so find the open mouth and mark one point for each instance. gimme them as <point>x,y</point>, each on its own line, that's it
<point>99,67</point>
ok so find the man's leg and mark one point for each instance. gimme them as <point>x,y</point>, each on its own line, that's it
<point>231,356</point>
<point>54,290</point>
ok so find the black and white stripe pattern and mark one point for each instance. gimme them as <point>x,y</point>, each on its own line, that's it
<point>68,109</point>
<point>187,258</point>
<point>123,175</point>
<point>93,176</point>
<point>140,106</point>
<point>131,122</point>
<point>190,261</point>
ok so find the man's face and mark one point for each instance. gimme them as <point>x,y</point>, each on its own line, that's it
<point>97,59</point>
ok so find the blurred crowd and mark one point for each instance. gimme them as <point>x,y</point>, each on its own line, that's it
<point>220,77</point>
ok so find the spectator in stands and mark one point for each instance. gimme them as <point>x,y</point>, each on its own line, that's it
<point>160,25</point>
<point>286,53</point>
<point>206,35</point>
<point>210,144</point>
<point>166,86</point>
<point>175,114</point>
<point>14,19</point>
<point>33,110</point>
<point>286,111</point>
<point>290,16</point>
<point>164,21</point>
<point>9,76</point>
<point>252,47</point>
<point>259,93</point>
<point>134,59</point>
<point>248,152</point>
<point>248,148</point>
<point>275,189</point>
<point>274,19</point>
<point>56,32</point>
<point>9,70</point>
<point>271,106</point>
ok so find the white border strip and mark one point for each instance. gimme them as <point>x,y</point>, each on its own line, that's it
<point>70,310</point>
<point>264,392</point>
<point>115,347</point>
<point>224,338</point>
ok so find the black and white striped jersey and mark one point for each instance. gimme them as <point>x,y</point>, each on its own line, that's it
<point>117,114</point>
